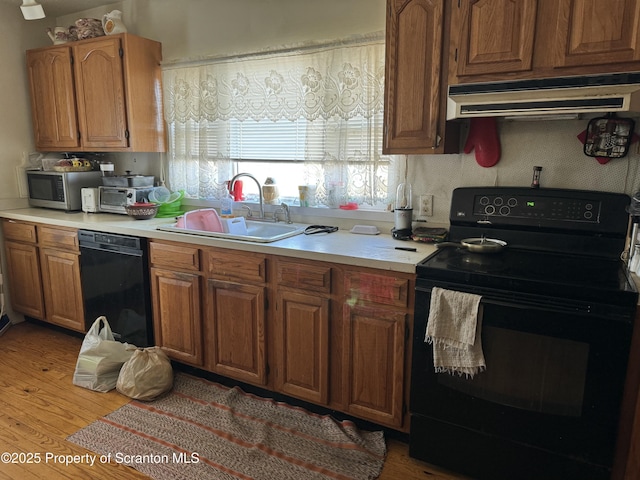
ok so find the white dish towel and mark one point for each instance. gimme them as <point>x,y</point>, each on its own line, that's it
<point>454,328</point>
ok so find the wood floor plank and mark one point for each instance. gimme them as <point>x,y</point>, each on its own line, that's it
<point>40,407</point>
<point>41,381</point>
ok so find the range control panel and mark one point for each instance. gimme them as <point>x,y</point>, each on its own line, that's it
<point>540,209</point>
<point>537,207</point>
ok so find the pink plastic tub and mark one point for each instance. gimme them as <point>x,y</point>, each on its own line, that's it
<point>204,219</point>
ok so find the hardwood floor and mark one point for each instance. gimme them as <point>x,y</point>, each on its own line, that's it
<point>40,407</point>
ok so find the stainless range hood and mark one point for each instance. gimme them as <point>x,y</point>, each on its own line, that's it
<point>618,92</point>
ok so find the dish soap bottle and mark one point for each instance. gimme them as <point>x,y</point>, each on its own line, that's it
<point>226,205</point>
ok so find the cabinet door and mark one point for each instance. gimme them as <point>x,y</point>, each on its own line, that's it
<point>496,36</point>
<point>53,104</point>
<point>100,93</point>
<point>176,314</point>
<point>413,84</point>
<point>302,346</point>
<point>373,362</point>
<point>235,326</point>
<point>25,286</point>
<point>592,32</point>
<point>62,288</point>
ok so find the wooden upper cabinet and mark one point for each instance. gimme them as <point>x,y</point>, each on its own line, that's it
<point>592,32</point>
<point>494,40</point>
<point>53,101</point>
<point>414,108</point>
<point>495,36</point>
<point>100,94</point>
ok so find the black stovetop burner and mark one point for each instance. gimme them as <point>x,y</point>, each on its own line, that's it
<point>526,271</point>
<point>559,243</point>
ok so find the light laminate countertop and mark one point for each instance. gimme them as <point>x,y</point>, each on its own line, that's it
<point>374,251</point>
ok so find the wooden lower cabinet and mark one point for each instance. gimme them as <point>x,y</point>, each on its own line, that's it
<point>62,288</point>
<point>325,333</point>
<point>235,325</point>
<point>176,314</point>
<point>302,346</point>
<point>236,312</point>
<point>374,363</point>
<point>175,296</point>
<point>25,285</point>
<point>43,264</point>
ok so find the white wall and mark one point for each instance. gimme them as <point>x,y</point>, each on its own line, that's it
<point>551,144</point>
<point>16,36</point>
<point>195,29</point>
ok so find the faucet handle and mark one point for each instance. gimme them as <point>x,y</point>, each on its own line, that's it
<point>284,208</point>
<point>249,212</point>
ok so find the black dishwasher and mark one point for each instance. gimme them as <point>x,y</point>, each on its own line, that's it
<point>114,273</point>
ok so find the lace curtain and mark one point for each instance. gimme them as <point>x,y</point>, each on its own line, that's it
<point>335,91</point>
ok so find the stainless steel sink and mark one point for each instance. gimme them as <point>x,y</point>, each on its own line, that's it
<point>260,232</point>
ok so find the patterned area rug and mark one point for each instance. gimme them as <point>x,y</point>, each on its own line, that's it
<point>203,430</point>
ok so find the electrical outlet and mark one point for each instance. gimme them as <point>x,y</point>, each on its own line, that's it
<point>426,205</point>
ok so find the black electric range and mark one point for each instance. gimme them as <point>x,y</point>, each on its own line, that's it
<point>558,309</point>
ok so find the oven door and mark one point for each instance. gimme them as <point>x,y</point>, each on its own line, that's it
<point>553,382</point>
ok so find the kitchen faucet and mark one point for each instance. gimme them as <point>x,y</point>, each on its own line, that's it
<point>231,189</point>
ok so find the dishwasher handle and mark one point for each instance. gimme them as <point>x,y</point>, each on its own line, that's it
<point>111,249</point>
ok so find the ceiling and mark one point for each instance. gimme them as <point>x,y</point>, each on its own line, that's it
<point>58,8</point>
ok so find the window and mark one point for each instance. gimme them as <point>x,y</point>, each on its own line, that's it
<point>305,117</point>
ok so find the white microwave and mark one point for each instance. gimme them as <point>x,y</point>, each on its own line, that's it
<point>60,190</point>
<point>114,199</point>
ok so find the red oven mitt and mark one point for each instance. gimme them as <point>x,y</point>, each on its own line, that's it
<point>582,136</point>
<point>483,136</point>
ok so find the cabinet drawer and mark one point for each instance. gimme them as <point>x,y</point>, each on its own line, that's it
<point>303,276</point>
<point>181,256</point>
<point>18,231</point>
<point>246,266</point>
<point>382,289</point>
<point>58,237</point>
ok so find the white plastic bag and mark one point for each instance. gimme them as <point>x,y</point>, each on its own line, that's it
<point>100,359</point>
<point>146,375</point>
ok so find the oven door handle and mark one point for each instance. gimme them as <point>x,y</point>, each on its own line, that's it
<point>523,301</point>
<point>563,305</point>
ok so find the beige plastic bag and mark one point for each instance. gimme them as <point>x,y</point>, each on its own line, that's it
<point>100,358</point>
<point>146,375</point>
